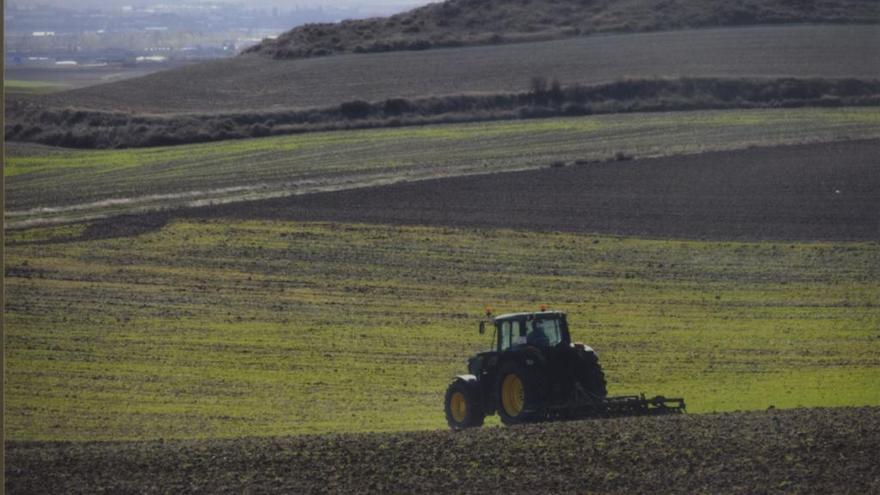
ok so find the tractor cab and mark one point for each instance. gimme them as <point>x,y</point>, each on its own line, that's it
<point>544,330</point>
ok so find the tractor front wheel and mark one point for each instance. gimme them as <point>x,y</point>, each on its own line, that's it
<point>462,405</point>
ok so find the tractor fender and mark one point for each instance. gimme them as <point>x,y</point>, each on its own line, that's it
<point>583,348</point>
<point>469,381</point>
<point>473,384</point>
<point>466,378</point>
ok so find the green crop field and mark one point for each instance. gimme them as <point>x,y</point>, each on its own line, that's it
<point>53,184</point>
<point>230,328</point>
<point>17,86</point>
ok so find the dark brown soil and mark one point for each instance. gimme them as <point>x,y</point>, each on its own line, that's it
<point>805,192</point>
<point>785,451</point>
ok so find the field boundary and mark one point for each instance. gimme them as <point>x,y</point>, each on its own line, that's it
<point>28,121</point>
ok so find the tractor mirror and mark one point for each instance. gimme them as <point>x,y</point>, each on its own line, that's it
<point>482,327</point>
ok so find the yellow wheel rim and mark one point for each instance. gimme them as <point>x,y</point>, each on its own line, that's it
<point>513,395</point>
<point>458,407</point>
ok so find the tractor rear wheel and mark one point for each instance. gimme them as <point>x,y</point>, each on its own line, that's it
<point>591,376</point>
<point>518,394</point>
<point>462,405</point>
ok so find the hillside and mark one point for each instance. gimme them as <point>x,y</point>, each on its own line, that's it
<point>475,22</point>
<point>253,96</point>
<point>256,96</point>
<point>252,83</point>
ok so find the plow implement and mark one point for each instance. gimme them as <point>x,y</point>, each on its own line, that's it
<point>584,405</point>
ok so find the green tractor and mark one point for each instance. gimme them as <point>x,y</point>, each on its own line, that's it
<point>536,373</point>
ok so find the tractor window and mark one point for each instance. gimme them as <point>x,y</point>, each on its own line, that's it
<point>517,329</point>
<point>505,335</point>
<point>550,328</point>
<point>513,333</point>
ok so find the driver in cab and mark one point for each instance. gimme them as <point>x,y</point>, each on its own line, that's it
<point>537,337</point>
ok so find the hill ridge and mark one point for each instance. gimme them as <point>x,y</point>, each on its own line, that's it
<point>475,22</point>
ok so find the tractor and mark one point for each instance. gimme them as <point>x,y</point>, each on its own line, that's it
<point>536,373</point>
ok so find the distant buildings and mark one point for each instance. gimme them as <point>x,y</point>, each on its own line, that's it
<point>50,35</point>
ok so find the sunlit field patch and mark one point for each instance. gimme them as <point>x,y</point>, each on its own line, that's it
<point>230,328</point>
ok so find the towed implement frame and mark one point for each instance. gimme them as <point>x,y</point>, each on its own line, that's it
<point>585,405</point>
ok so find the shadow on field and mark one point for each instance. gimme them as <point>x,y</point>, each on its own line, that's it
<point>107,228</point>
<point>125,226</point>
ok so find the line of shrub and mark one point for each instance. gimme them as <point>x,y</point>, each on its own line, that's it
<point>78,128</point>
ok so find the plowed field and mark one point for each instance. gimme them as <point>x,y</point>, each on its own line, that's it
<point>807,192</point>
<point>795,451</point>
